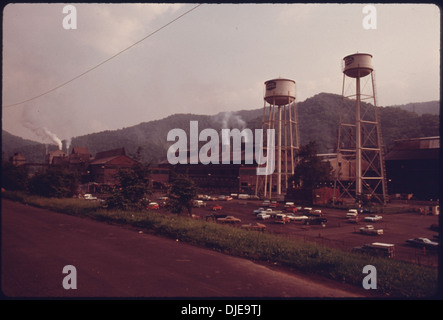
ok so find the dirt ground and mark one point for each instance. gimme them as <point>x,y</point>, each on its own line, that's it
<point>339,232</point>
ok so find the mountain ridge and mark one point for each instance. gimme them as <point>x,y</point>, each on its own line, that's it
<point>318,118</point>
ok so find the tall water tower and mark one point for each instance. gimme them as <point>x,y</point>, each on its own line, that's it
<point>280,114</point>
<point>360,170</point>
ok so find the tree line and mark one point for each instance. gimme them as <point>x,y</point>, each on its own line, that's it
<point>133,188</point>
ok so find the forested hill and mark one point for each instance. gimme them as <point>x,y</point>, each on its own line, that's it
<point>318,121</point>
<point>32,150</point>
<point>431,107</point>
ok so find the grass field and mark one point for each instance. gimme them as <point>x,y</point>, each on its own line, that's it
<point>394,278</point>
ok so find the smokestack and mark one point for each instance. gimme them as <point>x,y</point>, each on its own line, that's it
<point>65,146</point>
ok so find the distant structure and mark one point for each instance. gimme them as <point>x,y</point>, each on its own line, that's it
<point>361,169</point>
<point>106,164</point>
<point>413,168</point>
<point>56,157</point>
<point>279,113</point>
<point>18,159</point>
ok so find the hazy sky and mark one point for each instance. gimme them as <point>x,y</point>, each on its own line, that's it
<point>214,59</point>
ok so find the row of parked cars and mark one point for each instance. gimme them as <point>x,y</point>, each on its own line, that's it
<point>291,213</point>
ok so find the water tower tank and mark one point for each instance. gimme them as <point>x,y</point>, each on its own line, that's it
<point>358,65</point>
<point>280,91</point>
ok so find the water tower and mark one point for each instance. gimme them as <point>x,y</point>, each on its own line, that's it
<point>280,114</point>
<point>360,171</point>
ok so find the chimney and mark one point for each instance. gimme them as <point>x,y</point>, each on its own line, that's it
<point>64,146</point>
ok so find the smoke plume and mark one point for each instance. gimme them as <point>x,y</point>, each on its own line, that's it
<point>41,131</point>
<point>231,120</point>
<point>44,133</point>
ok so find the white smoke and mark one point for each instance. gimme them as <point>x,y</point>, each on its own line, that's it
<point>46,134</point>
<point>230,120</point>
<point>68,143</point>
<point>41,131</point>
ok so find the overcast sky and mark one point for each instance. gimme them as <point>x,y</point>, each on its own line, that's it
<point>216,58</point>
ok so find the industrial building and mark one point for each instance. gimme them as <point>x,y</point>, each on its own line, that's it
<point>412,167</point>
<point>104,167</point>
<point>213,178</point>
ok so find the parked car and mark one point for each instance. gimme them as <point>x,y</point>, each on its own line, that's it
<point>229,219</point>
<point>369,229</point>
<point>353,219</point>
<point>153,206</point>
<point>307,210</point>
<point>294,217</point>
<point>376,249</point>
<point>316,220</point>
<point>423,243</point>
<point>199,203</point>
<point>317,213</point>
<point>263,216</point>
<point>254,226</point>
<point>271,212</point>
<point>258,211</point>
<point>273,204</point>
<point>216,207</point>
<point>352,213</point>
<point>373,218</point>
<point>89,196</point>
<point>281,218</point>
<point>291,209</point>
<point>266,203</point>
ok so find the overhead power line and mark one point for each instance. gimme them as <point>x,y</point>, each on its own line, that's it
<point>105,61</point>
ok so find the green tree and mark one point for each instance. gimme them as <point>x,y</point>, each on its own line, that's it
<point>54,182</point>
<point>310,170</point>
<point>181,194</point>
<point>430,125</point>
<point>131,190</point>
<point>14,177</point>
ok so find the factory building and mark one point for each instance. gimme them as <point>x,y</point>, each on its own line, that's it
<point>106,164</point>
<point>217,178</point>
<point>412,167</point>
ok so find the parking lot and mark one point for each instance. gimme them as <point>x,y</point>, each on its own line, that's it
<point>338,232</point>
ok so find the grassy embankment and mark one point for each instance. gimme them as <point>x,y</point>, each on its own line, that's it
<point>394,278</point>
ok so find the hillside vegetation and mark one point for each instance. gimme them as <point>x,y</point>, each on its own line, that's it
<point>318,121</point>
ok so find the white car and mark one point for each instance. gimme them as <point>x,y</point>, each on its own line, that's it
<point>369,229</point>
<point>259,210</point>
<point>89,196</point>
<point>352,213</point>
<point>373,218</point>
<point>297,218</point>
<point>263,216</point>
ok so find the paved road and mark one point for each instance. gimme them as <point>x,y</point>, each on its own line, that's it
<point>112,261</point>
